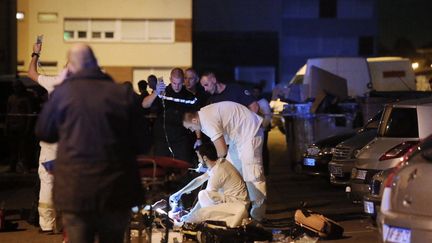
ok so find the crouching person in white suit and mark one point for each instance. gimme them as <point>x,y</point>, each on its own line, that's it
<point>224,199</point>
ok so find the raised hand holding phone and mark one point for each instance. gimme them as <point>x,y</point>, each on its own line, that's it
<point>39,39</point>
<point>37,47</point>
<point>160,86</point>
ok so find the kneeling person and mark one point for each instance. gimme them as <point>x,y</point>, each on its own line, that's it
<point>225,197</point>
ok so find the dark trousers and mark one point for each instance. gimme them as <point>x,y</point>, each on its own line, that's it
<point>108,227</point>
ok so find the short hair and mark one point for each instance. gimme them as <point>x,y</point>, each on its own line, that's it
<point>152,81</point>
<point>142,85</point>
<point>177,73</point>
<point>208,150</point>
<point>191,70</point>
<point>189,115</point>
<point>208,73</point>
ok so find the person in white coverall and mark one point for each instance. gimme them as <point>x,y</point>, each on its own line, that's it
<point>48,151</point>
<point>225,198</point>
<point>234,124</point>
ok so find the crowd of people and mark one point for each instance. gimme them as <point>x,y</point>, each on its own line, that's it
<point>92,128</point>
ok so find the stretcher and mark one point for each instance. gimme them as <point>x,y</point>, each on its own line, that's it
<point>158,170</point>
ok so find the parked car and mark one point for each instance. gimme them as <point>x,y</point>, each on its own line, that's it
<point>402,125</point>
<point>372,201</point>
<point>406,210</point>
<point>342,162</point>
<point>317,156</point>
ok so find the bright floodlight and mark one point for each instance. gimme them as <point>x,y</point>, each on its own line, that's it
<point>415,65</point>
<point>20,15</point>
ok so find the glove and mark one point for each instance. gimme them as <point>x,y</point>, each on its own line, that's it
<point>160,88</point>
<point>201,168</point>
<point>174,198</point>
<point>197,143</point>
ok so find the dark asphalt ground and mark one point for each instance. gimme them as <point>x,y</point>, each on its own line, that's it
<point>285,192</point>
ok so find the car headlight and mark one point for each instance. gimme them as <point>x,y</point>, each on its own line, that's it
<point>313,150</point>
<point>328,150</point>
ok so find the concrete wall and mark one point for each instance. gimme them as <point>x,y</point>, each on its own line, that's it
<point>305,34</point>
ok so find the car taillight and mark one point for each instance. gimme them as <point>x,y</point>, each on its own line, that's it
<point>399,150</point>
<point>389,179</point>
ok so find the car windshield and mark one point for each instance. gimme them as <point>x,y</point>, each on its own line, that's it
<point>399,123</point>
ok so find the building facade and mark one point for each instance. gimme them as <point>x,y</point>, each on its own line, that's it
<point>325,28</point>
<point>282,34</point>
<point>131,39</point>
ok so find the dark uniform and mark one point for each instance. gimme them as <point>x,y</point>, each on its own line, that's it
<point>232,92</point>
<point>170,137</point>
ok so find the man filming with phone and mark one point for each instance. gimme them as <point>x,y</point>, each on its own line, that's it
<point>47,214</point>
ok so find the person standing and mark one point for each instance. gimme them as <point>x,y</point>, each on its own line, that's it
<point>47,214</point>
<point>96,176</point>
<point>18,127</point>
<point>230,123</point>
<point>192,85</point>
<point>227,92</point>
<point>266,113</point>
<point>170,137</point>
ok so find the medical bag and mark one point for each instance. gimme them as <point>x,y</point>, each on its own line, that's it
<point>318,224</point>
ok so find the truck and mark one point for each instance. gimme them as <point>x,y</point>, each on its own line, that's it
<point>362,75</point>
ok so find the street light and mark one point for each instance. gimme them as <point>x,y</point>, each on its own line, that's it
<point>415,65</point>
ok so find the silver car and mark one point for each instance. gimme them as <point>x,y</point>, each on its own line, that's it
<point>406,212</point>
<point>343,159</point>
<point>402,125</point>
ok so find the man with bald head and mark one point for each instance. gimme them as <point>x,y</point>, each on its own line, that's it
<point>170,137</point>
<point>96,178</point>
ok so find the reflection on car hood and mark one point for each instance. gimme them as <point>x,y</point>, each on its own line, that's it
<point>360,140</point>
<point>333,140</point>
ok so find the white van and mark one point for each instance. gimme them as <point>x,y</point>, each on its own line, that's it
<point>361,74</point>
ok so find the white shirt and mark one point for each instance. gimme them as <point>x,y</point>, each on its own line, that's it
<point>49,82</point>
<point>265,112</point>
<point>48,150</point>
<point>225,178</point>
<point>229,119</point>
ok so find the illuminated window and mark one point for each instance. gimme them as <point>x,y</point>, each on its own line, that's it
<point>138,30</point>
<point>68,35</point>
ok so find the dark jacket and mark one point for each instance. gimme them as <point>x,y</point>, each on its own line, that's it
<point>174,111</point>
<point>94,122</point>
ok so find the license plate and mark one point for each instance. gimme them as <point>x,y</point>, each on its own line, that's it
<point>336,171</point>
<point>309,162</point>
<point>361,174</point>
<point>369,207</point>
<point>396,234</point>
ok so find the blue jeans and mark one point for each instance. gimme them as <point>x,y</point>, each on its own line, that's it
<point>108,226</point>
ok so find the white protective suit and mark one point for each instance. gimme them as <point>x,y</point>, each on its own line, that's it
<point>242,131</point>
<point>48,152</point>
<point>224,199</point>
